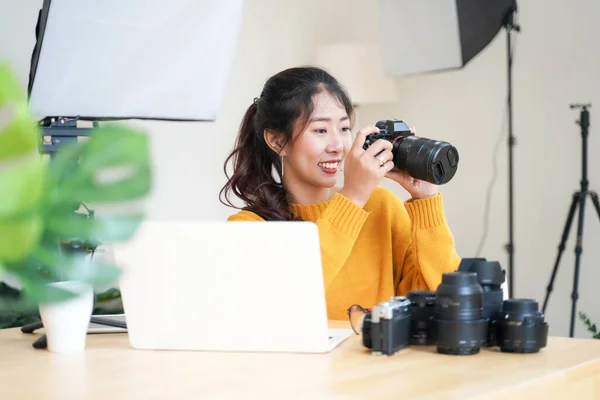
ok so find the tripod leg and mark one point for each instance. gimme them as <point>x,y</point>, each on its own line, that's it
<point>32,327</point>
<point>578,251</point>
<point>561,247</point>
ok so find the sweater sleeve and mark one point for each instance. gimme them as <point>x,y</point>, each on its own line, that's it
<point>430,251</point>
<point>339,226</point>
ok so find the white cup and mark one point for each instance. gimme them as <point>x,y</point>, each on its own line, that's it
<point>66,322</point>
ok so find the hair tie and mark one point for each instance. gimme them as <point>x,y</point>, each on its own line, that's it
<point>256,100</point>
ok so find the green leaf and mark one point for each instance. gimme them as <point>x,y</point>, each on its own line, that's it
<point>96,273</point>
<point>42,292</point>
<point>76,267</point>
<point>111,149</point>
<point>37,289</point>
<point>110,228</point>
<point>20,136</point>
<point>10,90</point>
<point>22,186</point>
<point>591,327</point>
<point>18,238</point>
<point>21,224</point>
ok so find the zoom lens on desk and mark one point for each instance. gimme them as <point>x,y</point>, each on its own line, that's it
<point>461,327</point>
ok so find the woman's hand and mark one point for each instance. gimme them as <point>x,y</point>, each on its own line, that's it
<point>363,172</point>
<point>417,188</point>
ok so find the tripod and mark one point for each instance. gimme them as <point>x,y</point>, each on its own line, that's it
<point>578,200</point>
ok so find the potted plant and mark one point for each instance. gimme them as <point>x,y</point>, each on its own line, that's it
<point>48,234</point>
<point>591,327</point>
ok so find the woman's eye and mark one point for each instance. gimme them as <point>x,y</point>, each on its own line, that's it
<point>321,130</point>
<point>346,129</point>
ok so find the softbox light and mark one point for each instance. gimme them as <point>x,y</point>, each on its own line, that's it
<point>115,59</point>
<point>437,35</point>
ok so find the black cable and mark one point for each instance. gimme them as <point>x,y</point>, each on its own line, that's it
<point>488,201</point>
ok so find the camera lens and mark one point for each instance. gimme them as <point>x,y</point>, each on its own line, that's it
<point>461,328</point>
<point>422,314</point>
<point>491,277</point>
<point>520,327</point>
<point>426,159</point>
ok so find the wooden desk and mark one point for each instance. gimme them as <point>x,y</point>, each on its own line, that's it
<point>110,369</point>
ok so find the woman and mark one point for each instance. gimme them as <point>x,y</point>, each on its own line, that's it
<point>372,245</point>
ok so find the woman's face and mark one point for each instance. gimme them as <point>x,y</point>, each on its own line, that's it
<point>315,158</point>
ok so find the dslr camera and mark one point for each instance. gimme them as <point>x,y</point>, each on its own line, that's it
<point>425,159</point>
<point>386,328</point>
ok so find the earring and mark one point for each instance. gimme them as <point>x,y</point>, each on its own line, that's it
<point>281,166</point>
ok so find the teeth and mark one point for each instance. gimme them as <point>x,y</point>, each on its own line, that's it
<point>333,165</point>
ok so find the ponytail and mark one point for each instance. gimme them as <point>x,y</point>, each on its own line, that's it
<point>252,180</point>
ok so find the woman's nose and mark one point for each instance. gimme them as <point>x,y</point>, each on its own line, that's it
<point>335,145</point>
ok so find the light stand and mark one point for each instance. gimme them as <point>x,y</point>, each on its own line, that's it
<point>510,26</point>
<point>60,131</point>
<point>578,199</point>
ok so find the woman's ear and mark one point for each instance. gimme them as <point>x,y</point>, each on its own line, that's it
<point>275,142</point>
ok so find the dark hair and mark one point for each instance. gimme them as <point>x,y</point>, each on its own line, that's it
<point>284,107</point>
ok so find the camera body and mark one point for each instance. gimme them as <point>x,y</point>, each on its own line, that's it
<point>390,130</point>
<point>386,328</point>
<point>425,159</point>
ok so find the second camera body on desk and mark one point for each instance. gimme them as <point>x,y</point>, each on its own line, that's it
<point>465,313</point>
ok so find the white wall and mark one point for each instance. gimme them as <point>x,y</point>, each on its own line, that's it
<point>555,64</point>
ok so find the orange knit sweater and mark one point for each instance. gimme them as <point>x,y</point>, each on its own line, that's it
<point>386,248</point>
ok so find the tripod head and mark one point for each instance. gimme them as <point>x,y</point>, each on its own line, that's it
<point>584,119</point>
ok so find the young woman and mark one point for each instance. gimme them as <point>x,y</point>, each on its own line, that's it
<point>294,140</point>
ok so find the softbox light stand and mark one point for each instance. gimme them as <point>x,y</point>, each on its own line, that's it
<point>426,37</point>
<point>114,60</point>
<point>578,200</point>
<point>510,26</point>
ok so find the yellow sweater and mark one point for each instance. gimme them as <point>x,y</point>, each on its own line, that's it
<point>386,248</point>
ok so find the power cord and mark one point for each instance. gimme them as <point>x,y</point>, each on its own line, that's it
<point>489,190</point>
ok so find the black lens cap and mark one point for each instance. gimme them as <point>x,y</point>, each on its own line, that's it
<point>460,278</point>
<point>452,157</point>
<point>521,306</point>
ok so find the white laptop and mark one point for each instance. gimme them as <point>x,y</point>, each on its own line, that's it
<point>226,286</point>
